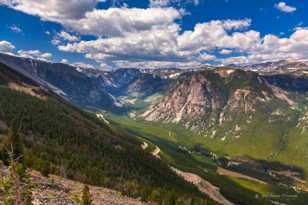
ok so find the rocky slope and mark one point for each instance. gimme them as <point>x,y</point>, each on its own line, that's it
<point>204,186</point>
<point>205,99</point>
<point>55,190</point>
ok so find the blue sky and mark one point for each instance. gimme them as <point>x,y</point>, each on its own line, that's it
<point>109,34</point>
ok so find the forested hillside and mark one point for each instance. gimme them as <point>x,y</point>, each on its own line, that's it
<point>61,139</point>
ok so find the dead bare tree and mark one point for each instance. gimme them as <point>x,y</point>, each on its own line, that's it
<point>15,188</point>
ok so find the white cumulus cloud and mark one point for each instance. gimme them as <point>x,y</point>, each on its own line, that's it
<point>273,48</point>
<point>68,37</point>
<point>282,6</point>
<point>165,43</point>
<point>120,21</point>
<point>81,16</point>
<point>35,54</point>
<point>64,36</point>
<point>164,3</point>
<point>53,10</point>
<point>6,47</point>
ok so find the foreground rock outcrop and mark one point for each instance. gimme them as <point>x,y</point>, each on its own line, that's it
<point>56,190</point>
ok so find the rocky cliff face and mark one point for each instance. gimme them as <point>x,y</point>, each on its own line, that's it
<point>192,97</point>
<point>205,99</point>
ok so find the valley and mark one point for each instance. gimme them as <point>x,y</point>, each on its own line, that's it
<point>175,149</point>
<point>239,134</point>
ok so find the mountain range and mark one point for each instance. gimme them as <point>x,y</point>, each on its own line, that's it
<point>251,119</point>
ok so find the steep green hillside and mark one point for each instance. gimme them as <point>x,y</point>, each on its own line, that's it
<point>64,140</point>
<point>178,148</point>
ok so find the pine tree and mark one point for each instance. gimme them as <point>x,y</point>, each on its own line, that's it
<point>86,196</point>
<point>26,186</point>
